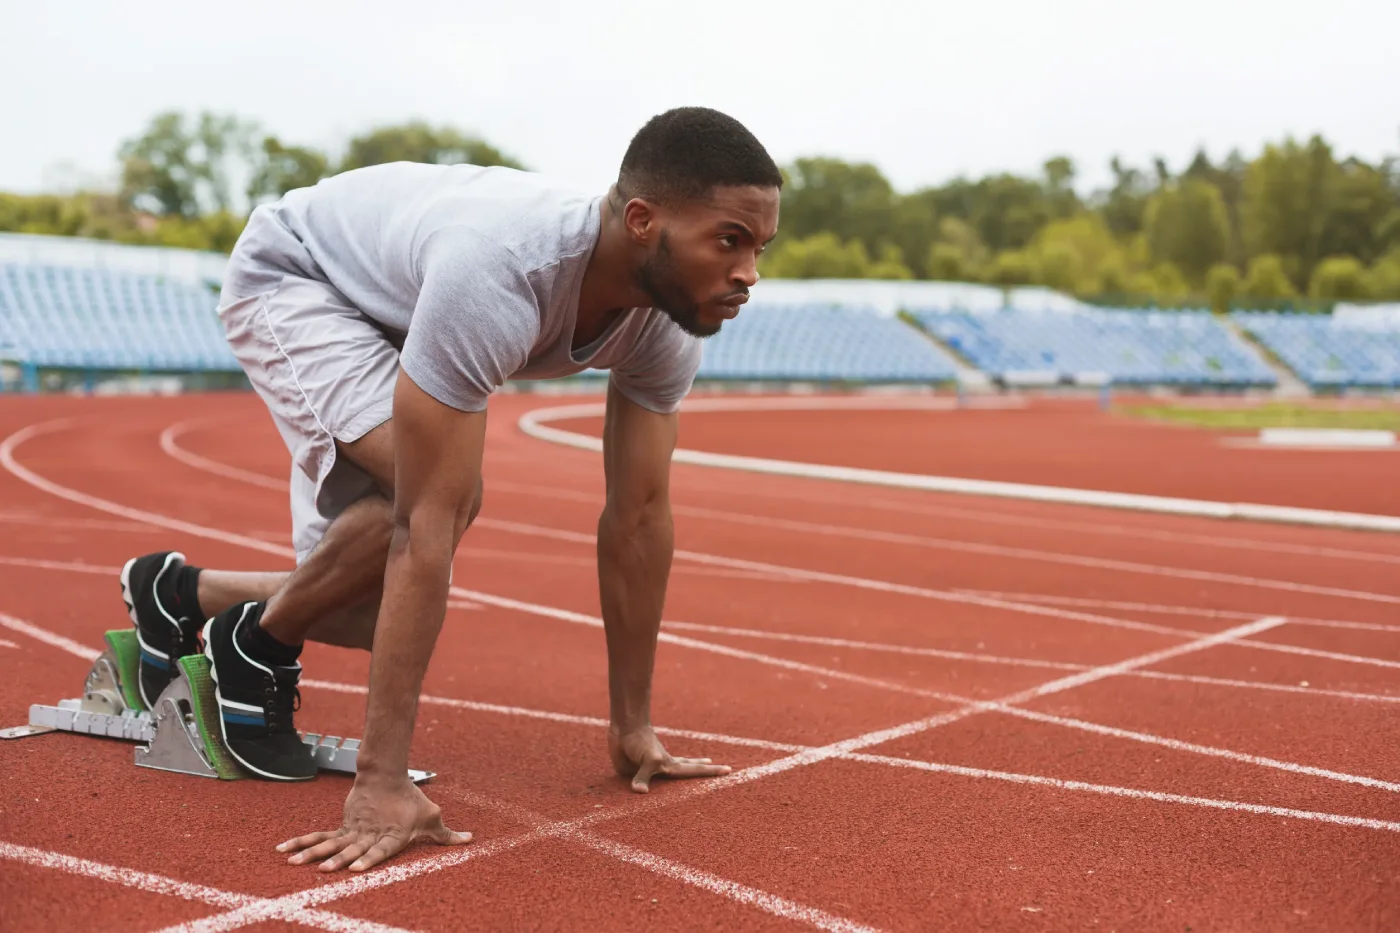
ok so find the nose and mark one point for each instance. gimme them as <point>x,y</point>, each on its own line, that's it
<point>746,273</point>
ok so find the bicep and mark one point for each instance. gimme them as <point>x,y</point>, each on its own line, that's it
<point>637,448</point>
<point>437,457</point>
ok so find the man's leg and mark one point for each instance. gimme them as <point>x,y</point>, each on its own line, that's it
<point>346,568</point>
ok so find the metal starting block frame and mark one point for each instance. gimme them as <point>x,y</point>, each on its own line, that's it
<point>170,734</point>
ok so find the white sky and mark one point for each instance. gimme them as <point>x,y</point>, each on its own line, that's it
<point>926,90</point>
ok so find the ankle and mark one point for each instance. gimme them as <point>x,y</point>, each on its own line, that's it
<point>262,644</point>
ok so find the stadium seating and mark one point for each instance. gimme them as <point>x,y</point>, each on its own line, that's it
<point>1128,347</point>
<point>822,343</point>
<point>1331,351</point>
<point>93,318</point>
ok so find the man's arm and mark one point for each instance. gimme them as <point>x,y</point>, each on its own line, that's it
<point>635,547</point>
<point>437,464</point>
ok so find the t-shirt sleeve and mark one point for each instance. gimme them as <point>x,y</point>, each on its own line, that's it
<point>660,370</point>
<point>476,320</point>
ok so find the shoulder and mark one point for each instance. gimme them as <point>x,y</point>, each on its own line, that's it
<point>527,217</point>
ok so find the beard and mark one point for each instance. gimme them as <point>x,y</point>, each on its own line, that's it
<point>660,279</point>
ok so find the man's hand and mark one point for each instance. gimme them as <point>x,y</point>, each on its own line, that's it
<point>381,819</point>
<point>639,755</point>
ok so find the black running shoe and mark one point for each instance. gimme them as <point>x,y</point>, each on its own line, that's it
<point>256,700</point>
<point>148,589</point>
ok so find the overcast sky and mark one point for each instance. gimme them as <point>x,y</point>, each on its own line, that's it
<point>926,90</point>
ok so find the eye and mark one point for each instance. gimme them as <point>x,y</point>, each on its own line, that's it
<point>729,240</point>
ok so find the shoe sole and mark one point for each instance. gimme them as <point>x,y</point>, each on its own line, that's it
<point>223,729</point>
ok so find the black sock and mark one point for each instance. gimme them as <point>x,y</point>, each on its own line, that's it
<point>186,593</point>
<point>258,643</point>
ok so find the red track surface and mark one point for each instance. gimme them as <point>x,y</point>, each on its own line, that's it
<point>1064,443</point>
<point>967,824</point>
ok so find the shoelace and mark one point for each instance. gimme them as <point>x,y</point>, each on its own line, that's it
<point>280,701</point>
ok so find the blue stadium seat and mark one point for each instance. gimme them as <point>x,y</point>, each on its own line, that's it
<point>1130,347</point>
<point>67,317</point>
<point>822,344</point>
<point>1330,352</point>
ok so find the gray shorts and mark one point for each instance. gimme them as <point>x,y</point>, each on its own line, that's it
<point>327,374</point>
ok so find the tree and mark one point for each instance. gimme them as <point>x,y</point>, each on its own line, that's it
<point>1222,286</point>
<point>890,265</point>
<point>821,256</point>
<point>1358,205</point>
<point>420,142</point>
<point>1124,205</point>
<point>1339,277</point>
<point>946,264</point>
<point>175,168</point>
<point>1068,252</point>
<point>1187,225</point>
<point>1266,279</point>
<point>1384,280</point>
<point>1012,267</point>
<point>1059,186</point>
<point>851,200</point>
<point>285,168</point>
<point>1285,205</point>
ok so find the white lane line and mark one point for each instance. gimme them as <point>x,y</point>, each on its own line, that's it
<point>70,524</point>
<point>49,638</point>
<point>394,874</point>
<point>1158,608</point>
<point>693,877</point>
<point>6,643</point>
<point>501,602</point>
<point>565,615</point>
<point>534,424</point>
<point>987,517</point>
<point>1025,554</point>
<point>799,759</point>
<point>981,658</point>
<point>952,596</point>
<point>169,887</point>
<point>964,596</point>
<point>74,567</point>
<point>294,905</point>
<point>168,443</point>
<point>1132,793</point>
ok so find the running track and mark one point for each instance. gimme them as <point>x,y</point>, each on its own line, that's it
<point>943,712</point>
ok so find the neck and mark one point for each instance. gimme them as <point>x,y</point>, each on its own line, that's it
<point>610,281</point>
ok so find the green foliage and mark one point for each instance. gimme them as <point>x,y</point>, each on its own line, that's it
<point>1297,217</point>
<point>419,142</point>
<point>1339,277</point>
<point>820,256</point>
<point>1267,279</point>
<point>185,168</point>
<point>285,168</point>
<point>1384,280</point>
<point>1222,286</point>
<point>1187,224</point>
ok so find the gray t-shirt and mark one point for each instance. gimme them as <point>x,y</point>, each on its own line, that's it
<point>475,270</point>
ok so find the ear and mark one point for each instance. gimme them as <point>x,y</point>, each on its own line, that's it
<point>642,220</point>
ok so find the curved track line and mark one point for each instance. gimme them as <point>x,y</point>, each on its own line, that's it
<point>972,597</point>
<point>801,759</point>
<point>534,424</point>
<point>169,444</point>
<point>170,887</point>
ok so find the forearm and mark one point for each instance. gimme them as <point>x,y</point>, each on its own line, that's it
<point>410,618</point>
<point>634,564</point>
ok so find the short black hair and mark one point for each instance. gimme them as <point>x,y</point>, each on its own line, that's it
<point>684,154</point>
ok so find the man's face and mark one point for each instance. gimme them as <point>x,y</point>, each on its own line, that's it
<point>703,258</point>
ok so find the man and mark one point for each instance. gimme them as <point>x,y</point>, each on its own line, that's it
<point>374,314</point>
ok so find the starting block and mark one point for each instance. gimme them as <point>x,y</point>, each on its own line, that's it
<point>182,733</point>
